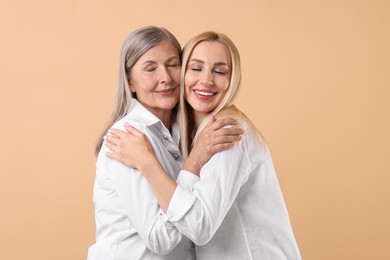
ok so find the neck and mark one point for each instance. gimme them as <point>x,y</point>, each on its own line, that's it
<point>166,119</point>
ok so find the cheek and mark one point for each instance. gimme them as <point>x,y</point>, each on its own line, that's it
<point>190,79</point>
<point>186,92</point>
<point>147,84</point>
<point>224,84</point>
<point>176,76</point>
<point>187,84</point>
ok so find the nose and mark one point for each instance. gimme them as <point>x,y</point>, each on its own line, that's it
<point>206,78</point>
<point>165,76</point>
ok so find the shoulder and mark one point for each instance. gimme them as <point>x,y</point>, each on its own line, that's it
<point>251,132</point>
<point>129,119</point>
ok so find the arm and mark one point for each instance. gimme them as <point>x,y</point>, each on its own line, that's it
<point>134,150</point>
<point>199,213</point>
<point>123,191</point>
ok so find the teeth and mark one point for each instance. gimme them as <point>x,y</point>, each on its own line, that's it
<point>204,93</point>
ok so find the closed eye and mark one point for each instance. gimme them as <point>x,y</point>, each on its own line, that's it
<point>172,65</point>
<point>196,69</point>
<point>150,69</point>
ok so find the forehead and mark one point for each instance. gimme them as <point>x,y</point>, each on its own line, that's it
<point>211,51</point>
<point>164,50</point>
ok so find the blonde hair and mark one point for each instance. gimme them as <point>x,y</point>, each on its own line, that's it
<point>134,46</point>
<point>225,108</point>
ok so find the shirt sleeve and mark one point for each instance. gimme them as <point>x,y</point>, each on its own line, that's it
<point>198,214</point>
<point>187,180</point>
<point>134,198</point>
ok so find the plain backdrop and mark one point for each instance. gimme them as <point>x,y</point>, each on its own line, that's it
<point>316,83</point>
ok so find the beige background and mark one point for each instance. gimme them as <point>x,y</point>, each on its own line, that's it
<point>316,83</point>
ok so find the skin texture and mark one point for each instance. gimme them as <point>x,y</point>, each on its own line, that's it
<point>207,77</point>
<point>155,78</point>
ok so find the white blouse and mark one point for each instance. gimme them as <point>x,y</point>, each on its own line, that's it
<point>236,210</point>
<point>129,224</point>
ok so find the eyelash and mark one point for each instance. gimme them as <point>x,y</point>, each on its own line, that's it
<point>154,68</point>
<point>150,69</point>
<point>172,65</point>
<point>215,71</point>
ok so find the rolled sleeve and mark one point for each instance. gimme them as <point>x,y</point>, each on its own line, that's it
<point>181,202</point>
<point>187,180</point>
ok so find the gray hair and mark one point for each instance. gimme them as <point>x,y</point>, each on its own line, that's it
<point>134,46</point>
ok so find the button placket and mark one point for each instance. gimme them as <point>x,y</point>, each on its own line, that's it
<point>170,145</point>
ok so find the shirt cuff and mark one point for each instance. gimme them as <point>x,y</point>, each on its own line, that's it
<point>187,180</point>
<point>181,202</point>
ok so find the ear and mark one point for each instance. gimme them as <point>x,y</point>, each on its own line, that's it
<point>132,88</point>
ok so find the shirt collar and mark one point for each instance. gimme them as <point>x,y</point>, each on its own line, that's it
<point>138,112</point>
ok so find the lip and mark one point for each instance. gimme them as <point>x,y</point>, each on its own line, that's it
<point>166,92</point>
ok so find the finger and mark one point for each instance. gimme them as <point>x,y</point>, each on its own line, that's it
<point>226,139</point>
<point>113,148</point>
<point>117,132</point>
<point>229,131</point>
<point>112,155</point>
<point>224,122</point>
<point>112,139</point>
<point>133,130</point>
<point>222,147</point>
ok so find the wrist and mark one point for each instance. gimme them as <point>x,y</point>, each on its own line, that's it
<point>146,167</point>
<point>192,167</point>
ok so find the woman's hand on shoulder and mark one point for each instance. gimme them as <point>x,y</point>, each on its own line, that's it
<point>131,148</point>
<point>219,135</point>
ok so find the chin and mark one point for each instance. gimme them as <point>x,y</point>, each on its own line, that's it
<point>169,106</point>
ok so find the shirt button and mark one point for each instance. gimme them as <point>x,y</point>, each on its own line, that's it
<point>193,245</point>
<point>176,156</point>
<point>166,138</point>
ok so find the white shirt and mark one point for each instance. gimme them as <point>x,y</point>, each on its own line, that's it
<point>236,210</point>
<point>129,224</point>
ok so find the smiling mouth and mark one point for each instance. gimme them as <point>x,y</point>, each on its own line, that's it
<point>204,93</point>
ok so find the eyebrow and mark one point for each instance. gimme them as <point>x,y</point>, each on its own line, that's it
<point>153,61</point>
<point>215,64</point>
<point>149,62</point>
<point>196,60</point>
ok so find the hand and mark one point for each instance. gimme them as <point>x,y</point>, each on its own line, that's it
<point>131,148</point>
<point>213,139</point>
